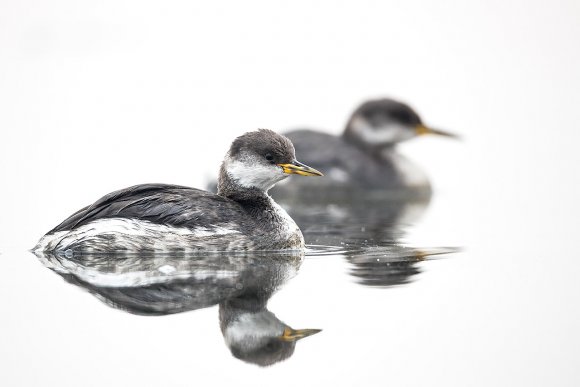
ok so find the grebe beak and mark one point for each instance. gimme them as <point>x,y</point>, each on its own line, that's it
<point>297,334</point>
<point>422,129</point>
<point>297,168</point>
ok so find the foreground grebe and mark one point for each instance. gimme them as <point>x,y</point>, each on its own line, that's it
<point>364,156</point>
<point>153,217</point>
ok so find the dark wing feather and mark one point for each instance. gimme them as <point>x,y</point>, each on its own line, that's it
<point>158,203</point>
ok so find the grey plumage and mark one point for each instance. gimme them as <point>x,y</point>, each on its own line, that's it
<point>158,203</point>
<point>330,153</point>
<point>364,157</point>
<point>151,216</point>
<point>264,142</point>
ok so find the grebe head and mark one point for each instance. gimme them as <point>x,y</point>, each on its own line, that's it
<point>260,337</point>
<point>259,160</point>
<point>385,122</point>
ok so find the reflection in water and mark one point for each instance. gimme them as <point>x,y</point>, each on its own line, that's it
<point>367,230</point>
<point>173,283</point>
<point>254,334</point>
<point>395,265</point>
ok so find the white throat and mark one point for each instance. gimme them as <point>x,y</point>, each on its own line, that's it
<point>250,173</point>
<point>387,134</point>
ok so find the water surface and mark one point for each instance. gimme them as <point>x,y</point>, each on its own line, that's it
<point>370,299</point>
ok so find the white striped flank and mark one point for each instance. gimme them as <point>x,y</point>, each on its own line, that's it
<point>136,235</point>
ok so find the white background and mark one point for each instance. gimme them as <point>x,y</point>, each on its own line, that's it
<point>96,96</point>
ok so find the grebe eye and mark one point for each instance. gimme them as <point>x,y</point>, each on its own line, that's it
<point>269,157</point>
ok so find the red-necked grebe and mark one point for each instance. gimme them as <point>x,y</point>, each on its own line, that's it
<point>364,157</point>
<point>153,217</point>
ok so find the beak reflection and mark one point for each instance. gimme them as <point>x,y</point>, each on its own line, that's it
<point>297,334</point>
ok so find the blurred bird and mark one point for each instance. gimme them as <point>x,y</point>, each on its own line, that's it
<point>364,157</point>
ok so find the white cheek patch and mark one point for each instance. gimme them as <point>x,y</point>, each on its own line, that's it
<point>386,134</point>
<point>250,174</point>
<point>248,328</point>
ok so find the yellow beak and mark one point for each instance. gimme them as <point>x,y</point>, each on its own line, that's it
<point>422,129</point>
<point>298,168</point>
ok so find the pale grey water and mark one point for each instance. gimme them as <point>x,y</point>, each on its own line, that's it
<point>390,311</point>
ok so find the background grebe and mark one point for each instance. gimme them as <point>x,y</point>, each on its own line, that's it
<point>364,157</point>
<point>153,217</point>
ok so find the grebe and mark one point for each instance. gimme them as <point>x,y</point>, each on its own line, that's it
<point>154,217</point>
<point>364,157</point>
